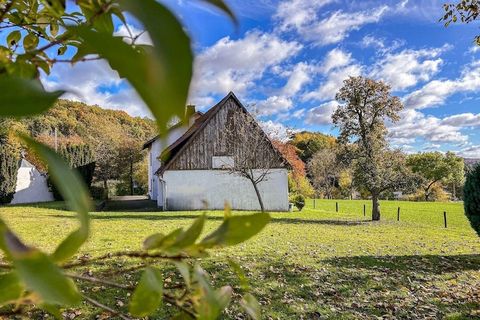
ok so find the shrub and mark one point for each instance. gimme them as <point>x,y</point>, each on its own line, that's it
<point>299,201</point>
<point>9,163</point>
<point>472,198</point>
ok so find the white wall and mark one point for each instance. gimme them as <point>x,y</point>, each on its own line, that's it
<point>154,151</point>
<point>31,185</point>
<point>191,189</point>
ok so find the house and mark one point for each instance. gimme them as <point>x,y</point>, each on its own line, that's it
<point>31,185</point>
<point>198,163</point>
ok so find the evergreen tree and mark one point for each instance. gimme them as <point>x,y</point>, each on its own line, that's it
<point>472,198</point>
<point>9,163</point>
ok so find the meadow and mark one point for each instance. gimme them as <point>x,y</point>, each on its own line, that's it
<point>313,264</point>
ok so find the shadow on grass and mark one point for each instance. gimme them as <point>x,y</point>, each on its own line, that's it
<point>163,216</point>
<point>435,264</point>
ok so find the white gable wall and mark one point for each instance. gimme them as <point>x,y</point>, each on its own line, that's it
<point>154,152</point>
<point>209,189</point>
<point>31,185</point>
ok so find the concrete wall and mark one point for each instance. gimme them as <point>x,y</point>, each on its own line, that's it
<point>192,189</point>
<point>31,185</point>
<point>154,152</point>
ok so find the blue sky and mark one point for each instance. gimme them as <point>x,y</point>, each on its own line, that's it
<point>287,59</point>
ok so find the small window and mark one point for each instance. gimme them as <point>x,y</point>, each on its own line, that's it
<point>222,162</point>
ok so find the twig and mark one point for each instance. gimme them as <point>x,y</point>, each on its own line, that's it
<point>100,281</point>
<point>106,308</point>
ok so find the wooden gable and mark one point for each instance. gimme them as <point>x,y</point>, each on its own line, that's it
<point>226,130</point>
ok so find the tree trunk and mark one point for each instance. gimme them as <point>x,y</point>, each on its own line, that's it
<point>427,194</point>
<point>105,188</point>
<point>131,178</point>
<point>260,201</point>
<point>375,207</point>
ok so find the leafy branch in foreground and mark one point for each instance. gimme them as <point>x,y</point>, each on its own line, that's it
<point>42,33</point>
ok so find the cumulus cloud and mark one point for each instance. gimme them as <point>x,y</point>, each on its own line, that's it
<point>235,65</point>
<point>463,120</point>
<point>273,105</point>
<point>299,76</point>
<point>334,59</point>
<point>94,82</point>
<point>302,17</point>
<point>470,152</point>
<point>436,92</point>
<point>276,130</point>
<point>321,115</point>
<point>415,124</point>
<point>407,68</point>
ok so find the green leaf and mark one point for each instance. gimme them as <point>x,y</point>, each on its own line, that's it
<point>11,288</point>
<point>54,29</point>
<point>240,274</point>
<point>188,237</point>
<point>251,306</point>
<point>53,310</point>
<point>171,64</point>
<point>13,38</point>
<point>21,97</point>
<point>147,297</point>
<point>220,4</point>
<point>161,241</point>
<point>184,270</point>
<point>74,191</point>
<point>30,42</point>
<point>61,50</point>
<point>236,229</point>
<point>42,276</point>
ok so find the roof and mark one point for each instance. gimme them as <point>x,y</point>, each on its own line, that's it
<point>175,148</point>
<point>175,126</point>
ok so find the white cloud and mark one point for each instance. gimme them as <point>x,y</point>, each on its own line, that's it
<point>276,130</point>
<point>463,120</point>
<point>321,115</point>
<point>88,82</point>
<point>129,32</point>
<point>302,17</point>
<point>414,125</point>
<point>334,59</point>
<point>235,65</point>
<point>274,105</point>
<point>436,92</point>
<point>407,68</point>
<point>299,76</point>
<point>470,152</point>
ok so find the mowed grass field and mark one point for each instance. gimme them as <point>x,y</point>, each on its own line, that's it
<point>314,264</point>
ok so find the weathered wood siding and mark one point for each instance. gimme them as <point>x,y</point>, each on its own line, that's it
<point>225,134</point>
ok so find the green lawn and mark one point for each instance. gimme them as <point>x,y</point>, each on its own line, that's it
<point>314,264</point>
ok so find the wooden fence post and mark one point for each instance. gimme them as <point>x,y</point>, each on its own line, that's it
<point>336,206</point>
<point>398,214</point>
<point>445,218</point>
<point>314,204</point>
<point>364,210</point>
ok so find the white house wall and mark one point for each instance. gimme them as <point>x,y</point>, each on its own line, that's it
<point>31,186</point>
<point>155,151</point>
<point>193,189</point>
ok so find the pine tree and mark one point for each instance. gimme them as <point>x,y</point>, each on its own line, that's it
<point>9,163</point>
<point>472,198</point>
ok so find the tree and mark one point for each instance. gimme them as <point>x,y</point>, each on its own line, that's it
<point>42,33</point>
<point>434,167</point>
<point>9,163</point>
<point>323,169</point>
<point>308,143</point>
<point>364,107</point>
<point>472,198</point>
<point>129,154</point>
<point>464,11</point>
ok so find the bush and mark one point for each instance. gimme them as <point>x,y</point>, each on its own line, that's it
<point>472,198</point>
<point>299,201</point>
<point>9,163</point>
<point>98,193</point>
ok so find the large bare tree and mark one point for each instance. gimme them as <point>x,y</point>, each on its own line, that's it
<point>365,106</point>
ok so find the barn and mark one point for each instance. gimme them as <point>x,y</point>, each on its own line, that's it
<point>221,156</point>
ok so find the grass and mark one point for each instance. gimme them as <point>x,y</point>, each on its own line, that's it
<point>314,264</point>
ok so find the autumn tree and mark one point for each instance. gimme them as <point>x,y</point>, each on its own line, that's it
<point>308,143</point>
<point>129,155</point>
<point>464,11</point>
<point>435,167</point>
<point>365,106</point>
<point>324,171</point>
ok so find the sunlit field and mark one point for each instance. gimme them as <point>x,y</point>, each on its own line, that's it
<point>314,264</point>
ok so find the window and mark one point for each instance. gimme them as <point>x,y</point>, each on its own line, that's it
<point>222,162</point>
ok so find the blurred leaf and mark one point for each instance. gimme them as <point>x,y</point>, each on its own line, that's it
<point>182,316</point>
<point>30,41</point>
<point>42,276</point>
<point>161,241</point>
<point>171,60</point>
<point>251,306</point>
<point>11,288</point>
<point>212,302</point>
<point>73,190</point>
<point>147,297</point>
<point>223,6</point>
<point>184,270</point>
<point>237,229</point>
<point>188,237</point>
<point>240,274</point>
<point>53,310</point>
<point>21,97</point>
<point>13,38</point>
<point>227,210</point>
